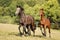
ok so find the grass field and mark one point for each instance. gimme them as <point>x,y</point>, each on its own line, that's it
<point>10,32</point>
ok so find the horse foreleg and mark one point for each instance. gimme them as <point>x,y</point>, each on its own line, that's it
<point>44,31</point>
<point>29,32</point>
<point>19,29</point>
<point>41,29</point>
<point>24,29</point>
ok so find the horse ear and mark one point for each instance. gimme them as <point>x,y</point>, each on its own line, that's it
<point>18,6</point>
<point>22,8</point>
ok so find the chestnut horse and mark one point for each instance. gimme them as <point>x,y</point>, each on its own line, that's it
<point>26,21</point>
<point>45,23</point>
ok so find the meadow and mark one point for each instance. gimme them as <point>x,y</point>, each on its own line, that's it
<point>10,32</point>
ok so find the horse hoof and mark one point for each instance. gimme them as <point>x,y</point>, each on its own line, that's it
<point>26,32</point>
<point>21,34</point>
<point>44,34</point>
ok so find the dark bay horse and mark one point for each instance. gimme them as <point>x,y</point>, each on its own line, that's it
<point>26,21</point>
<point>45,23</point>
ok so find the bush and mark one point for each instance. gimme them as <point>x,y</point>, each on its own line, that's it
<point>7,19</point>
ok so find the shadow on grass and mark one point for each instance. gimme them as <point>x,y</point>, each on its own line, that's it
<point>38,36</point>
<point>17,34</point>
<point>14,33</point>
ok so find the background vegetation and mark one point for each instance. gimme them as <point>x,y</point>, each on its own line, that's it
<point>51,9</point>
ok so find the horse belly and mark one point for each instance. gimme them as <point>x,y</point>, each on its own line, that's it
<point>29,19</point>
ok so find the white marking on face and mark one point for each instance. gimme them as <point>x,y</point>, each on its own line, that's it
<point>17,11</point>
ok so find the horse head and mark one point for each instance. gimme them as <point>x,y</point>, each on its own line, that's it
<point>41,12</point>
<point>19,10</point>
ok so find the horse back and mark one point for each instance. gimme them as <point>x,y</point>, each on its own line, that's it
<point>29,19</point>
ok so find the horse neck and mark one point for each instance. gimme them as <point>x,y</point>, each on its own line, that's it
<point>22,14</point>
<point>42,17</point>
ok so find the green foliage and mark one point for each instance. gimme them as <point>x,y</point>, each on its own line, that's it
<point>5,3</point>
<point>7,19</point>
<point>31,7</point>
<point>1,10</point>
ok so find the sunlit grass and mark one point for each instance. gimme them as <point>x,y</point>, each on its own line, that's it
<point>10,32</point>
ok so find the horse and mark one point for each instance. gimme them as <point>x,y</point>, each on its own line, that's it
<point>44,23</point>
<point>26,21</point>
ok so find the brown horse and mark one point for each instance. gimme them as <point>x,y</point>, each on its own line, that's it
<point>27,21</point>
<point>45,23</point>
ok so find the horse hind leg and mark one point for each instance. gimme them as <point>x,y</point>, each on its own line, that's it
<point>24,29</point>
<point>49,32</point>
<point>33,32</point>
<point>33,29</point>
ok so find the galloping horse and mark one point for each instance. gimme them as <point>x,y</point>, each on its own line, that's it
<point>45,23</point>
<point>26,21</point>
